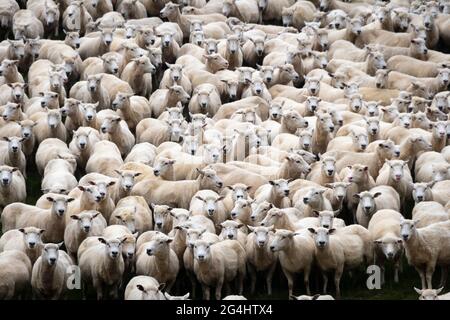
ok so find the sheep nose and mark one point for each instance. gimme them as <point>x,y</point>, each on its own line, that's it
<point>26,134</point>
<point>313,90</point>
<point>336,25</point>
<point>102,194</point>
<point>176,78</point>
<point>103,129</point>
<point>363,146</point>
<point>77,45</point>
<point>43,103</point>
<point>331,129</point>
<point>367,208</point>
<point>92,88</point>
<point>305,200</point>
<point>31,244</point>
<point>211,211</point>
<point>128,186</point>
<point>322,8</point>
<point>82,145</point>
<point>321,243</point>
<point>341,122</point>
<point>204,104</point>
<point>86,229</point>
<point>61,211</point>
<point>326,226</point>
<point>149,252</point>
<point>286,192</point>
<point>89,118</point>
<point>405,236</point>
<point>159,224</point>
<point>130,254</point>
<point>253,218</point>
<point>306,145</point>
<point>420,198</point>
<point>220,184</point>
<point>156,172</point>
<point>230,236</point>
<point>272,248</point>
<point>268,79</point>
<point>98,198</point>
<point>261,243</point>
<point>390,255</point>
<point>18,96</point>
<point>330,172</point>
<point>397,153</point>
<point>116,70</point>
<point>114,254</point>
<point>108,42</point>
<point>52,261</point>
<point>201,257</point>
<point>5,181</point>
<point>358,32</point>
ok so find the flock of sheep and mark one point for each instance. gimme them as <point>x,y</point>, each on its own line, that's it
<point>214,143</point>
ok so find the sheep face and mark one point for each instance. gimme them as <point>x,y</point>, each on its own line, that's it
<point>161,216</point>
<point>59,205</point>
<point>32,236</point>
<point>321,236</point>
<point>112,247</point>
<point>50,253</point>
<point>390,246</point>
<point>281,239</point>
<point>202,250</point>
<point>261,235</point>
<point>230,229</point>
<point>6,175</point>
<point>84,220</point>
<point>260,212</point>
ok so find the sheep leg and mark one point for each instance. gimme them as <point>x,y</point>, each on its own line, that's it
<point>429,275</point>
<point>269,278</point>
<point>193,283</point>
<point>252,272</point>
<point>169,285</point>
<point>206,292</point>
<point>337,281</point>
<point>219,289</point>
<point>422,278</point>
<point>325,282</point>
<point>290,279</point>
<point>306,280</point>
<point>99,288</point>
<point>396,270</point>
<point>444,274</point>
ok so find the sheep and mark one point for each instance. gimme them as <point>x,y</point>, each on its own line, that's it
<point>76,17</point>
<point>308,199</point>
<point>395,173</point>
<point>15,274</point>
<point>259,256</point>
<point>232,230</point>
<point>19,215</point>
<point>217,264</point>
<point>347,248</point>
<point>138,74</point>
<point>429,212</point>
<point>12,154</point>
<point>134,213</point>
<point>377,198</point>
<point>49,276</point>
<point>144,288</point>
<point>86,223</point>
<point>59,174</point>
<point>82,144</point>
<point>154,191</point>
<point>142,152</point>
<point>102,265</point>
<point>431,166</point>
<point>114,129</point>
<point>105,158</point>
<point>27,240</point>
<point>418,243</point>
<point>155,256</point>
<point>440,192</point>
<point>12,186</point>
<point>292,14</point>
<point>209,204</point>
<point>432,294</point>
<point>48,13</point>
<point>163,98</point>
<point>421,191</point>
<point>205,99</point>
<point>108,63</point>
<point>315,297</point>
<point>92,90</point>
<point>9,72</point>
<point>388,244</point>
<point>27,25</point>
<point>276,192</point>
<point>8,9</point>
<point>286,242</point>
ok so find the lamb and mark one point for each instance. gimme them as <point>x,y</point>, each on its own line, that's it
<point>86,223</point>
<point>102,265</point>
<point>27,240</point>
<point>49,276</point>
<point>388,244</point>
<point>134,213</point>
<point>286,242</point>
<point>432,294</point>
<point>377,198</point>
<point>105,159</point>
<point>12,186</point>
<point>218,264</point>
<point>15,271</point>
<point>155,258</point>
<point>19,215</point>
<point>144,288</point>
<point>259,256</point>
<point>426,248</point>
<point>348,248</point>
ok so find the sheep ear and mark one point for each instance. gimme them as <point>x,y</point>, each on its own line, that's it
<point>312,230</point>
<point>140,287</point>
<point>418,291</point>
<point>75,217</point>
<point>22,230</point>
<point>336,212</point>
<point>102,240</point>
<point>316,296</point>
<point>331,231</point>
<point>50,199</point>
<point>161,286</point>
<point>316,213</point>
<point>60,244</point>
<point>252,229</point>
<point>439,290</point>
